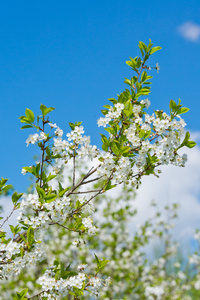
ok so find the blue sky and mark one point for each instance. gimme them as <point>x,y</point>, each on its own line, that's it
<point>71,55</point>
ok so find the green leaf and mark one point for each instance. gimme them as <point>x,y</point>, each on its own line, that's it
<point>23,238</point>
<point>128,81</point>
<point>144,76</point>
<point>105,147</point>
<point>68,274</point>
<point>50,177</point>
<point>63,191</point>
<point>26,126</point>
<point>45,110</point>
<point>113,100</point>
<point>187,136</point>
<point>30,235</point>
<point>115,148</point>
<point>132,63</point>
<point>105,142</point>
<point>154,49</point>
<point>111,130</point>
<point>7,187</point>
<point>107,106</point>
<point>182,110</point>
<point>143,46</point>
<point>40,191</point>
<point>172,105</point>
<point>15,229</point>
<point>49,198</point>
<point>73,125</point>
<point>97,260</point>
<point>104,112</point>
<point>12,228</point>
<point>30,115</point>
<point>103,263</point>
<point>28,169</point>
<point>22,293</point>
<point>23,119</point>
<point>37,169</point>
<point>16,197</point>
<point>109,186</point>
<point>138,63</point>
<point>186,142</point>
<point>128,108</point>
<point>100,263</point>
<point>190,144</point>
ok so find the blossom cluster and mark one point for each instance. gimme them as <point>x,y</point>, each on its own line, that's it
<point>137,144</point>
<point>76,144</point>
<point>157,136</point>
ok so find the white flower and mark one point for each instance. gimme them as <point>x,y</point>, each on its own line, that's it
<point>103,122</point>
<point>23,171</point>
<point>42,136</point>
<point>59,132</point>
<point>146,102</point>
<point>136,109</point>
<point>119,106</point>
<point>32,139</point>
<point>52,125</point>
<point>79,129</point>
<point>82,267</point>
<point>87,222</point>
<point>157,67</point>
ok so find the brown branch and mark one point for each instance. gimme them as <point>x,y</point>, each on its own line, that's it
<point>36,295</point>
<point>74,167</point>
<point>43,149</point>
<point>97,178</point>
<point>84,192</point>
<point>14,208</point>
<point>90,172</point>
<point>139,75</point>
<point>92,197</point>
<point>57,223</point>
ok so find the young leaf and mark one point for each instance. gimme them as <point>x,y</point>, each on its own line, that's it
<point>45,110</point>
<point>16,197</point>
<point>154,49</point>
<point>109,186</point>
<point>182,110</point>
<point>26,126</point>
<point>190,144</point>
<point>30,115</point>
<point>30,235</point>
<point>49,198</point>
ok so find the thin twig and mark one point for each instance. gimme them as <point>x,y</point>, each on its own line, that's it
<point>6,262</point>
<point>92,197</point>
<point>139,75</point>
<point>43,149</point>
<point>84,192</point>
<point>97,178</point>
<point>90,172</point>
<point>14,208</point>
<point>74,169</point>
<point>57,223</point>
<point>36,295</point>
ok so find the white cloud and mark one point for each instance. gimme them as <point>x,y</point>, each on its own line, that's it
<point>180,185</point>
<point>190,31</point>
<point>175,185</point>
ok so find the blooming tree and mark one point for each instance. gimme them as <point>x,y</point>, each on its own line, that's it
<point>65,254</point>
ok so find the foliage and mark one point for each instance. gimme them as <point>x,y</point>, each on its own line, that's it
<point>56,250</point>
